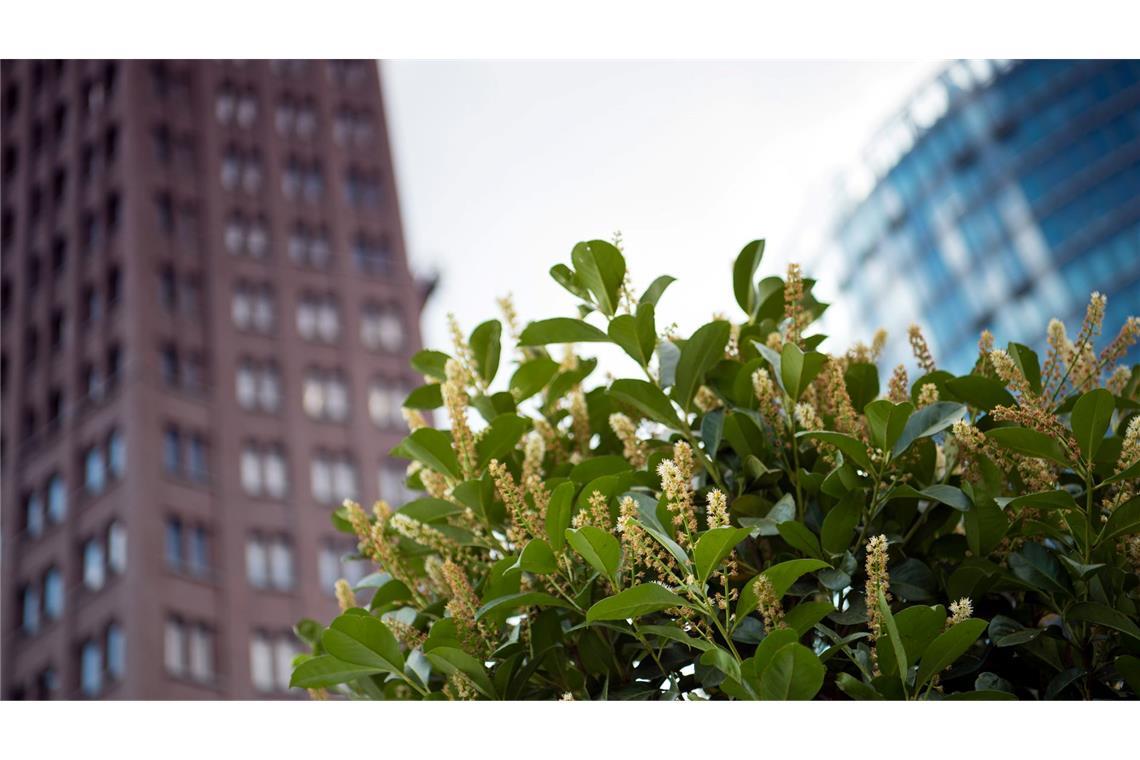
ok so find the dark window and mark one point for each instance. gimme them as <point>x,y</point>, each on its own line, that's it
<point>58,325</point>
<point>114,365</point>
<point>167,289</point>
<point>114,286</point>
<point>58,255</point>
<point>113,214</point>
<point>172,451</point>
<point>165,207</point>
<point>174,543</point>
<point>170,374</point>
<point>196,465</point>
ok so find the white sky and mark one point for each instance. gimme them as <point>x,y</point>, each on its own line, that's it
<point>503,166</point>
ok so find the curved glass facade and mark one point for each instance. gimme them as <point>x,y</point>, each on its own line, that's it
<point>1001,196</point>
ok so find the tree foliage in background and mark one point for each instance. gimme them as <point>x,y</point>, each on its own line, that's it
<point>747,517</point>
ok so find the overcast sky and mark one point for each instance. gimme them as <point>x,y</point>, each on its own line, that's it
<point>503,166</point>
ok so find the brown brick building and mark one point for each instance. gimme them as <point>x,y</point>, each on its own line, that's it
<point>207,316</point>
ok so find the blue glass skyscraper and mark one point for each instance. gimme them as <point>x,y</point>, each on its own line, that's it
<point>999,197</point>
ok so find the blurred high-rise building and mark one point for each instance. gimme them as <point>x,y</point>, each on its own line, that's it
<point>1000,196</point>
<point>207,319</point>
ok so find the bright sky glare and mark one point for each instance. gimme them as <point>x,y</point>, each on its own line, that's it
<point>503,166</point>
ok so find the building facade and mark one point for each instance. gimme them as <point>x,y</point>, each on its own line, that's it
<point>207,320</point>
<point>1001,196</point>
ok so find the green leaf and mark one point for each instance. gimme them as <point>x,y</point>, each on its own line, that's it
<point>948,647</point>
<point>713,546</point>
<point>432,448</point>
<point>718,658</point>
<point>634,602</point>
<point>566,277</point>
<point>1029,442</point>
<point>1090,418</point>
<point>538,558</point>
<point>1037,566</point>
<point>766,650</point>
<point>601,268</point>
<point>500,437</point>
<point>799,536</point>
<point>917,627</point>
<point>450,659</point>
<point>431,363</point>
<point>558,514</point>
<point>951,496</point>
<point>803,617</point>
<point>781,576</point>
<point>1043,500</point>
<point>428,510</point>
<point>601,550</point>
<point>1026,360</point>
<point>673,633</point>
<point>1123,521</point>
<point>648,399</point>
<point>852,448</point>
<point>364,641</point>
<point>839,524</point>
<point>980,391</point>
<point>892,631</point>
<point>525,599</point>
<point>798,369</point>
<point>985,525</point>
<point>637,335</point>
<point>656,289</point>
<point>1103,615</point>
<point>325,670</point>
<point>561,330</point>
<point>1007,632</point>
<point>862,381</point>
<point>794,673</point>
<point>887,421</point>
<point>700,353</point>
<point>743,270</point>
<point>926,422</point>
<point>425,397</point>
<point>532,376</point>
<point>856,689</point>
<point>485,342</point>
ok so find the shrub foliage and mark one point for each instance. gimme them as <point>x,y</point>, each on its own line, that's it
<point>746,517</point>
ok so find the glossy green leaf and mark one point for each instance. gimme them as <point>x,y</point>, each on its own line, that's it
<point>485,342</point>
<point>1026,360</point>
<point>862,382</point>
<point>558,513</point>
<point>600,549</point>
<point>601,268</point>
<point>795,672</point>
<point>713,546</point>
<point>799,369</point>
<point>500,438</point>
<point>425,397</point>
<point>634,602</point>
<point>566,277</point>
<point>781,576</point>
<point>927,422</point>
<point>365,641</point>
<point>532,376</point>
<point>1029,442</point>
<point>451,659</point>
<point>524,599</point>
<point>648,399</point>
<point>1090,419</point>
<point>698,355</point>
<point>803,617</point>
<point>431,363</point>
<point>538,558</point>
<point>838,529</point>
<point>561,330</point>
<point>852,448</point>
<point>743,274</point>
<point>980,391</point>
<point>1123,521</point>
<point>432,448</point>
<point>636,335</point>
<point>800,537</point>
<point>323,671</point>
<point>1103,615</point>
<point>948,647</point>
<point>656,289</point>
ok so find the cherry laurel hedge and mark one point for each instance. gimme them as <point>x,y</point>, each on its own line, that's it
<point>745,517</point>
